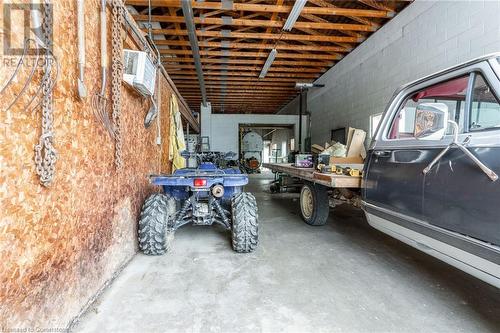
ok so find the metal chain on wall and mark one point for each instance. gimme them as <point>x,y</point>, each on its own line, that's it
<point>116,77</point>
<point>45,153</point>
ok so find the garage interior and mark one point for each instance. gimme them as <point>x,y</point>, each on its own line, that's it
<point>104,102</point>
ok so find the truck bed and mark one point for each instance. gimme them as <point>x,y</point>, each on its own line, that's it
<point>310,174</point>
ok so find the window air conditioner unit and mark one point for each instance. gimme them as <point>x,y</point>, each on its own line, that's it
<point>139,71</point>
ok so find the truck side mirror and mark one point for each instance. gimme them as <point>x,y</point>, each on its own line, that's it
<point>431,121</point>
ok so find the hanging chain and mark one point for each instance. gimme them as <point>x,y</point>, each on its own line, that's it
<point>45,153</point>
<point>116,77</point>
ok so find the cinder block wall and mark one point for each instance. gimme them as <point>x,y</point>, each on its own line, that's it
<point>425,37</point>
<point>59,245</point>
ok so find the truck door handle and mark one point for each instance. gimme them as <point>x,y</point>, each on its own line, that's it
<point>490,173</point>
<point>382,153</point>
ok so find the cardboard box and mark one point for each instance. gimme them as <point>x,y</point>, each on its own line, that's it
<point>346,160</point>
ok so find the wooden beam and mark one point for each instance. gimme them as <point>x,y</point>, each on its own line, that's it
<point>256,35</point>
<point>326,4</point>
<point>251,74</point>
<point>241,85</point>
<point>247,103</point>
<point>241,92</point>
<point>247,68</point>
<point>288,90</point>
<point>255,54</point>
<point>266,8</point>
<point>255,101</point>
<point>381,5</point>
<point>320,64</point>
<point>236,87</point>
<point>240,79</point>
<point>257,23</point>
<point>242,99</point>
<point>230,45</point>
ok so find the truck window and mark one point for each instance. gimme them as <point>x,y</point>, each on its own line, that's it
<point>452,93</point>
<point>485,111</point>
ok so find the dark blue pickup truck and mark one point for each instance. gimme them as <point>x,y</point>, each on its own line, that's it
<point>430,178</point>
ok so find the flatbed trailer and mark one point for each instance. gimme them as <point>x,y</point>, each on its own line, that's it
<point>317,187</point>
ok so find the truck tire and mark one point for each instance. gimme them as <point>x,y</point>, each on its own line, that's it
<point>154,235</point>
<point>314,204</point>
<point>245,228</point>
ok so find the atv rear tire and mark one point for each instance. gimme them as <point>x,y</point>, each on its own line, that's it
<point>154,234</point>
<point>245,228</point>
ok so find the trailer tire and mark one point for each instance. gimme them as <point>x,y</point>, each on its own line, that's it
<point>245,228</point>
<point>314,204</point>
<point>154,234</point>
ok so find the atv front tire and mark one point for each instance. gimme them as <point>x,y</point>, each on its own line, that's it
<point>154,234</point>
<point>245,228</point>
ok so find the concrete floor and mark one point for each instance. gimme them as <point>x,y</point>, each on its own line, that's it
<point>342,277</point>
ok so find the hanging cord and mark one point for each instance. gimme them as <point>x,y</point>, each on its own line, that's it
<point>30,76</point>
<point>150,25</point>
<point>45,153</point>
<point>116,78</point>
<point>99,99</point>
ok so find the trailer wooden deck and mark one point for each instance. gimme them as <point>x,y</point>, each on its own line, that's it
<point>311,175</point>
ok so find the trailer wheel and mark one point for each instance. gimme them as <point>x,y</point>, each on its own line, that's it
<point>154,234</point>
<point>314,204</point>
<point>245,228</point>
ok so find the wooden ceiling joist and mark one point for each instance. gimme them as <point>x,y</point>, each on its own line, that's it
<point>257,23</point>
<point>255,35</point>
<point>318,64</point>
<point>239,87</point>
<point>239,74</point>
<point>256,54</point>
<point>230,45</point>
<point>235,39</point>
<point>256,81</point>
<point>239,6</point>
<point>244,68</point>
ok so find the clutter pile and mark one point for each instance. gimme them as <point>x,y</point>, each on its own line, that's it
<point>340,159</point>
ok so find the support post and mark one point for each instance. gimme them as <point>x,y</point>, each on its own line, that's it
<point>300,120</point>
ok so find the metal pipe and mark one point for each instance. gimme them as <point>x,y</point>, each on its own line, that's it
<point>187,11</point>
<point>309,117</point>
<point>300,121</point>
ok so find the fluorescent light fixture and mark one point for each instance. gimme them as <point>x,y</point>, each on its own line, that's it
<point>268,63</point>
<point>294,14</point>
<point>300,85</point>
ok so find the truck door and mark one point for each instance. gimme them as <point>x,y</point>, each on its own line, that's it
<point>457,194</point>
<point>393,176</point>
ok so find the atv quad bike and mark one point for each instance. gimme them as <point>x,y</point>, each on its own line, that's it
<point>201,196</point>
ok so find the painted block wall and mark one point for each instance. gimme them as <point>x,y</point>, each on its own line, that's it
<point>425,37</point>
<point>223,128</point>
<point>60,245</point>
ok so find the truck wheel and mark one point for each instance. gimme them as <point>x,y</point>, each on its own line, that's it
<point>245,229</point>
<point>154,234</point>
<point>314,204</point>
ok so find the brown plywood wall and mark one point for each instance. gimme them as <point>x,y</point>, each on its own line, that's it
<point>59,245</point>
